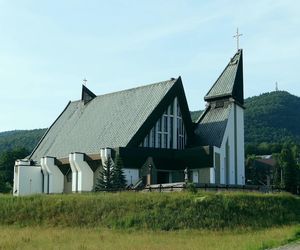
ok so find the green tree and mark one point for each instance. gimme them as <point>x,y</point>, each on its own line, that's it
<point>250,170</point>
<point>5,187</point>
<point>257,172</point>
<point>118,177</point>
<point>104,181</point>
<point>7,162</point>
<point>288,165</point>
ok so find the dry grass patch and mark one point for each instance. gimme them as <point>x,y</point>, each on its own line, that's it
<point>13,237</point>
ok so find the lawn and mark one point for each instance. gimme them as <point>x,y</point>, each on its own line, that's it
<point>153,211</point>
<point>13,237</point>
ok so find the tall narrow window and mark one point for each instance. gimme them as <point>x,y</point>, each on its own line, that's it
<point>159,125</point>
<point>159,140</point>
<point>165,123</point>
<point>178,110</point>
<point>171,132</point>
<point>165,140</point>
<point>153,137</point>
<point>146,141</point>
<point>171,109</point>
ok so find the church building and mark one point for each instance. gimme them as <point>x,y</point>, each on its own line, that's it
<point>150,129</point>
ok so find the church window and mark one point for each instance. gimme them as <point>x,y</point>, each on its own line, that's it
<point>178,110</point>
<point>165,123</point>
<point>146,141</point>
<point>153,135</point>
<point>165,140</point>
<point>159,125</point>
<point>171,132</point>
<point>159,140</point>
<point>171,109</point>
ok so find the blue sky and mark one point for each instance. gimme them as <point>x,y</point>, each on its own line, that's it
<point>48,47</point>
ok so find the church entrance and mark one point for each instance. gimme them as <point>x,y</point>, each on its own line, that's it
<point>162,177</point>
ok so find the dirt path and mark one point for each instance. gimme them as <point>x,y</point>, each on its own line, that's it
<point>293,246</point>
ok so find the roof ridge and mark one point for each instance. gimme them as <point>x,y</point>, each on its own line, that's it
<point>135,88</point>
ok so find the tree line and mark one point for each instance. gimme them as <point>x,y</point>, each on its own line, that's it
<point>7,162</point>
<point>284,174</point>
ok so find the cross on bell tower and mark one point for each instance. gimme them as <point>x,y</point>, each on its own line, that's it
<point>237,36</point>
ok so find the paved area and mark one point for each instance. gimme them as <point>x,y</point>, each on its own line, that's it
<point>293,246</point>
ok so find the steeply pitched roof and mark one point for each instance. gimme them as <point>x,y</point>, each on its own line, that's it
<point>87,95</point>
<point>230,82</point>
<point>110,120</point>
<point>211,127</point>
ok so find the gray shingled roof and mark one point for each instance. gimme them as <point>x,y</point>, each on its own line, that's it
<point>211,128</point>
<point>224,86</point>
<point>109,120</point>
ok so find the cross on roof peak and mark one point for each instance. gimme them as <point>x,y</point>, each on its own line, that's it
<point>237,36</point>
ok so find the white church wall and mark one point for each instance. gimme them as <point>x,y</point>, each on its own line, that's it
<point>74,173</point>
<point>229,136</point>
<point>131,175</point>
<point>220,152</point>
<point>55,176</point>
<point>195,175</point>
<point>212,175</point>
<point>45,177</point>
<point>85,174</point>
<point>18,163</point>
<point>231,139</point>
<point>205,175</point>
<point>240,146</point>
<point>16,181</point>
<point>105,153</point>
<point>30,180</point>
<point>236,146</point>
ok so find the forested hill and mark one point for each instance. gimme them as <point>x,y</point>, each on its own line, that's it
<point>271,117</point>
<point>20,139</point>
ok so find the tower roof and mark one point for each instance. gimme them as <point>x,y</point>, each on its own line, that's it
<point>230,82</point>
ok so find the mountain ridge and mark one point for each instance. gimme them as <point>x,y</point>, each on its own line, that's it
<point>272,117</point>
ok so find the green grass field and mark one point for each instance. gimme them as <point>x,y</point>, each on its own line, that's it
<point>149,221</point>
<point>155,211</point>
<point>13,237</point>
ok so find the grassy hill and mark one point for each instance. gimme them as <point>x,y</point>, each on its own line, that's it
<point>271,117</point>
<point>156,211</point>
